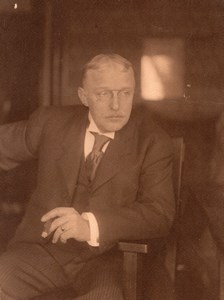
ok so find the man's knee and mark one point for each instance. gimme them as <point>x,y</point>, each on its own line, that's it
<point>27,273</point>
<point>7,277</point>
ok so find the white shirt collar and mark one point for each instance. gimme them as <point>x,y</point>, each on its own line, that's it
<point>93,127</point>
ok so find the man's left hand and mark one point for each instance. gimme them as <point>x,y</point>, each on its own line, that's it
<point>66,223</point>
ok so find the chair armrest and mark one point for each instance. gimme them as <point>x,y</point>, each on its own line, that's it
<point>135,255</point>
<point>134,246</point>
<point>142,246</point>
<point>134,252</point>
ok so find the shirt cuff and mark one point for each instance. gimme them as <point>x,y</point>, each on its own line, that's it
<point>94,229</point>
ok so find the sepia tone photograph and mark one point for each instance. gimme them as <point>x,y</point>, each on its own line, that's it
<point>111,149</point>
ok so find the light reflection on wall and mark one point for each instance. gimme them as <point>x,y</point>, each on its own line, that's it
<point>15,6</point>
<point>162,69</point>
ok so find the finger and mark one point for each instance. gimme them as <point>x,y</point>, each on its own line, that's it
<point>57,212</point>
<point>57,223</point>
<point>63,230</point>
<point>57,235</point>
<point>46,230</point>
<point>68,234</point>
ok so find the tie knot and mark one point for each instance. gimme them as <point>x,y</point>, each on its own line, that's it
<point>100,141</point>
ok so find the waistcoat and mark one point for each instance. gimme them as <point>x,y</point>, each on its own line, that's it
<point>82,192</point>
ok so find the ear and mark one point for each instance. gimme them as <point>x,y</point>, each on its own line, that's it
<point>82,96</point>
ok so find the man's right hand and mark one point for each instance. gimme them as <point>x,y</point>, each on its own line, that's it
<point>66,223</point>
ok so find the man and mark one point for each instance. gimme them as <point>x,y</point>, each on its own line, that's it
<point>87,197</point>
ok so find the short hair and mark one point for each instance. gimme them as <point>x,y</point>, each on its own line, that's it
<point>98,61</point>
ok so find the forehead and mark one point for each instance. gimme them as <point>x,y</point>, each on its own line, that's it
<point>110,73</point>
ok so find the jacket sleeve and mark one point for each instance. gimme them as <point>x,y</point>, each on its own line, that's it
<point>19,141</point>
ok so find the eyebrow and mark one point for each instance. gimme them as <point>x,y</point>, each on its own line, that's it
<point>109,89</point>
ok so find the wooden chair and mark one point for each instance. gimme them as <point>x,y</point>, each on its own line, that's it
<point>135,252</point>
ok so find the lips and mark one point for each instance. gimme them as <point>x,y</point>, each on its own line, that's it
<point>114,117</point>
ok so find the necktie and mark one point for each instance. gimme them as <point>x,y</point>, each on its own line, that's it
<point>95,156</point>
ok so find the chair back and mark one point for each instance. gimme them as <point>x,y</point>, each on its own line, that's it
<point>178,162</point>
<point>171,248</point>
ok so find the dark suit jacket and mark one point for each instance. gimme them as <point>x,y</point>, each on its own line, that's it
<point>132,194</point>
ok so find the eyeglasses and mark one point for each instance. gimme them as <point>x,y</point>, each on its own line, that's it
<point>107,95</point>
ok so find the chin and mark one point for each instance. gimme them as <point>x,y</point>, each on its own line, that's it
<point>115,127</point>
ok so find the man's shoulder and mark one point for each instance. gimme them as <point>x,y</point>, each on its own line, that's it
<point>62,111</point>
<point>58,114</point>
<point>55,118</point>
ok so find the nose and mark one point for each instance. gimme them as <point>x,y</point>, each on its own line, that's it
<point>115,101</point>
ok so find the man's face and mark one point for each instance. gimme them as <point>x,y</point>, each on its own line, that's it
<point>108,93</point>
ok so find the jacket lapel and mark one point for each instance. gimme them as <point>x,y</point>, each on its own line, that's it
<point>115,156</point>
<point>72,151</point>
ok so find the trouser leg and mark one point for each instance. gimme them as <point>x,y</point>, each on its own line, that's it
<point>27,270</point>
<point>100,278</point>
